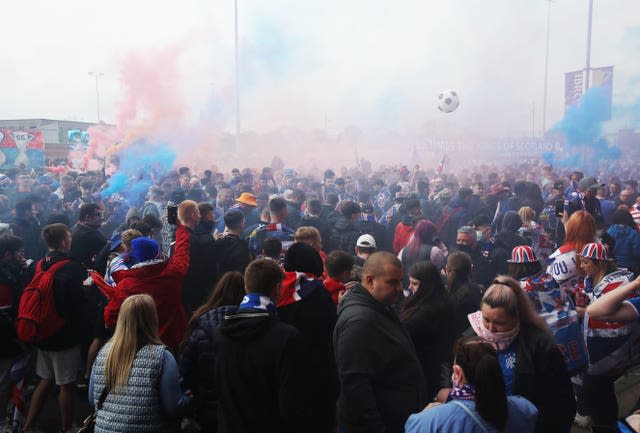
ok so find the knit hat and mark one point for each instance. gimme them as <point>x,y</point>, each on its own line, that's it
<point>523,254</point>
<point>595,251</point>
<point>143,249</point>
<point>301,257</point>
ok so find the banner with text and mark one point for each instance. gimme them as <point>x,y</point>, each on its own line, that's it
<point>21,147</point>
<point>573,87</point>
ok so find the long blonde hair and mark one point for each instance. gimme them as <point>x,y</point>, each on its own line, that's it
<point>137,326</point>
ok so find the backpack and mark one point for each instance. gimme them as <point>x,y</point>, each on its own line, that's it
<point>37,306</point>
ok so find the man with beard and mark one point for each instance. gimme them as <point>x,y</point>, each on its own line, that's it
<point>87,241</point>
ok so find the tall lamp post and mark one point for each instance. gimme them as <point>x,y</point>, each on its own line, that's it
<point>546,70</point>
<point>235,8</point>
<point>587,69</point>
<point>97,76</point>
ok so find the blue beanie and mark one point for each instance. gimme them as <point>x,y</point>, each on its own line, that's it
<point>143,249</point>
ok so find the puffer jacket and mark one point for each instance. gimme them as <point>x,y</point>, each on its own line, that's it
<point>627,246</point>
<point>344,235</point>
<point>196,367</point>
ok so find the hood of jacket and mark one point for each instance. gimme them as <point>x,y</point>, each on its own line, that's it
<point>619,231</point>
<point>358,296</point>
<point>511,222</point>
<point>246,325</point>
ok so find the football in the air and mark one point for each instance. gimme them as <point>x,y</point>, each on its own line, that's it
<point>448,101</point>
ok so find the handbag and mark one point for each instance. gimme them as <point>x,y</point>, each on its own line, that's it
<point>89,423</point>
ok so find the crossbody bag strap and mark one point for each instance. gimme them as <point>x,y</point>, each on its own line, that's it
<point>472,415</point>
<point>103,397</point>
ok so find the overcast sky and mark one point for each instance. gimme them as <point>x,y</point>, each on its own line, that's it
<point>318,63</point>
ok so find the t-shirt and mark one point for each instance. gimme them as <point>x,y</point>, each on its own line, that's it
<point>635,303</point>
<point>507,360</point>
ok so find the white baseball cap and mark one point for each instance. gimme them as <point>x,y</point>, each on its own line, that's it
<point>366,241</point>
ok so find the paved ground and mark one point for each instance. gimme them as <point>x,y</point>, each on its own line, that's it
<point>627,390</point>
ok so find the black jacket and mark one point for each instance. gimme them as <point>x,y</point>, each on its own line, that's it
<point>378,232</point>
<point>344,235</point>
<point>232,254</point>
<point>315,317</point>
<point>380,375</point>
<point>541,377</point>
<point>197,367</point>
<point>70,299</point>
<point>465,298</point>
<point>30,232</point>
<point>430,327</point>
<point>86,244</point>
<point>11,285</point>
<point>293,215</point>
<point>203,270</point>
<point>261,374</point>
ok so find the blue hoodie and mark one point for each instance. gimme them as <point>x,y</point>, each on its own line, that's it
<point>627,247</point>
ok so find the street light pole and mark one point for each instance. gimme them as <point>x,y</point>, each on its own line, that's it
<point>587,69</point>
<point>97,76</point>
<point>235,4</point>
<point>546,71</point>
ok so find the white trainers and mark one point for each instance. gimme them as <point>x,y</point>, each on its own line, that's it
<point>583,421</point>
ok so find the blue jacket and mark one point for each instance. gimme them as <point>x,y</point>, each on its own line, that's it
<point>452,418</point>
<point>627,248</point>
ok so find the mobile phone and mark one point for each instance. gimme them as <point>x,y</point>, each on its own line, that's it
<point>559,208</point>
<point>172,214</point>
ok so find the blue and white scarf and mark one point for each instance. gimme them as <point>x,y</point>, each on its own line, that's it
<point>257,301</point>
<point>462,392</point>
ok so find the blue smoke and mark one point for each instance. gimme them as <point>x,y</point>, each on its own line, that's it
<point>585,148</point>
<point>269,53</point>
<point>141,165</point>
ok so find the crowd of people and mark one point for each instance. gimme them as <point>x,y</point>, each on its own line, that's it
<point>499,299</point>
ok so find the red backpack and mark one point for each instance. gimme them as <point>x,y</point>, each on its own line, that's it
<point>37,314</point>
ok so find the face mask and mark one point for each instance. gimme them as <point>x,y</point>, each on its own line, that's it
<point>464,248</point>
<point>502,339</point>
<point>479,235</point>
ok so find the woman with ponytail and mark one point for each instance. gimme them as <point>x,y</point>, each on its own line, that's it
<point>531,363</point>
<point>477,402</point>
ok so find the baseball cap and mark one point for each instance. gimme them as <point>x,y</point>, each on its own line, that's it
<point>366,241</point>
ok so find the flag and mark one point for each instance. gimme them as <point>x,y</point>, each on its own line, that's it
<point>440,167</point>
